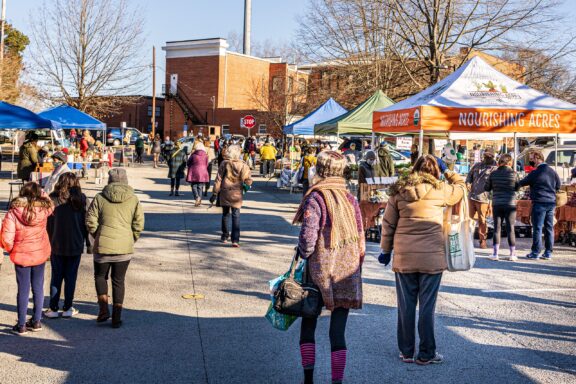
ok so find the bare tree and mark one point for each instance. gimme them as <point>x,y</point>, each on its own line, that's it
<point>87,51</point>
<point>404,46</point>
<point>355,45</point>
<point>280,101</point>
<point>435,29</point>
<point>266,48</point>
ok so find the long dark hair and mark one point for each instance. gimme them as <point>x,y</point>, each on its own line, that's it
<point>68,190</point>
<point>427,164</point>
<point>32,192</point>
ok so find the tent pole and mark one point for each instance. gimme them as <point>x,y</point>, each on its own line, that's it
<point>556,149</point>
<point>421,143</point>
<point>13,146</point>
<point>515,151</point>
<point>373,144</point>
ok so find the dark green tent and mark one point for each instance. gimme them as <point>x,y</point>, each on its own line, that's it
<point>356,122</point>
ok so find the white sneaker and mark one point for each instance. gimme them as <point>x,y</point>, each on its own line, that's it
<point>494,258</point>
<point>51,314</point>
<point>70,312</point>
<point>513,258</point>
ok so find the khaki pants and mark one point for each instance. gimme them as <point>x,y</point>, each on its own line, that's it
<point>481,211</point>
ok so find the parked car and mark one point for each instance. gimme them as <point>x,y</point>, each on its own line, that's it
<point>566,158</point>
<point>114,135</point>
<point>187,142</point>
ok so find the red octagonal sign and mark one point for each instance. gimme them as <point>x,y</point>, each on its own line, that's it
<point>249,121</point>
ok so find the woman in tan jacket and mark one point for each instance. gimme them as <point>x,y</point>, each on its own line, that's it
<point>413,229</point>
<point>234,177</point>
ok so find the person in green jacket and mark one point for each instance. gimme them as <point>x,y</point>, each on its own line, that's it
<point>28,157</point>
<point>115,219</point>
<point>139,146</point>
<point>385,165</point>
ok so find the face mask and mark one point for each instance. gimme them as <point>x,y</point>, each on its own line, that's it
<point>532,163</point>
<point>57,163</point>
<point>371,162</point>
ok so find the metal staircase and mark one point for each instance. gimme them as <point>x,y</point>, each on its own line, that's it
<point>191,113</point>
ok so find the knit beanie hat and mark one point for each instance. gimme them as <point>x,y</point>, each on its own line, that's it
<point>117,175</point>
<point>330,164</point>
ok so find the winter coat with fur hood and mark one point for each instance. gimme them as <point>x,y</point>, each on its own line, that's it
<point>231,175</point>
<point>27,243</point>
<point>413,221</point>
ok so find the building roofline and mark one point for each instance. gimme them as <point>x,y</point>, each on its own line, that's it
<point>193,40</point>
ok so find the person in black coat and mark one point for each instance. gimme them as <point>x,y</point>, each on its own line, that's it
<point>503,183</point>
<point>67,231</point>
<point>176,160</point>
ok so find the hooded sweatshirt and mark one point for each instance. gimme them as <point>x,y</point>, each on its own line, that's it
<point>115,219</point>
<point>27,243</point>
<point>413,221</point>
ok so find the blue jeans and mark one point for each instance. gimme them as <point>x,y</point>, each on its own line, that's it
<point>26,277</point>
<point>235,223</point>
<point>64,269</point>
<point>197,190</point>
<point>543,220</point>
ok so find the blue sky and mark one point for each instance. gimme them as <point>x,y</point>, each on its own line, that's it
<point>168,20</point>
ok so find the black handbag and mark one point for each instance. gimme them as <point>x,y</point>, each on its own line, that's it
<point>298,299</point>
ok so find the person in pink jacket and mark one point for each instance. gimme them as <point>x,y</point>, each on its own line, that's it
<point>198,171</point>
<point>25,238</point>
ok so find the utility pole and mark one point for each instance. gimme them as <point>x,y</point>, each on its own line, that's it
<point>2,22</point>
<point>247,26</point>
<point>153,92</point>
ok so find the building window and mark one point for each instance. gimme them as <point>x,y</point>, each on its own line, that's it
<point>150,111</point>
<point>302,86</point>
<point>212,131</point>
<point>276,83</point>
<point>225,129</point>
<point>262,129</point>
<point>290,84</point>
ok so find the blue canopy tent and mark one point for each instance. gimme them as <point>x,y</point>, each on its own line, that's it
<point>14,117</point>
<point>305,126</point>
<point>71,118</point>
<point>22,119</point>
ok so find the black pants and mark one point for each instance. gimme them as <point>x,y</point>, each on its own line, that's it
<point>64,269</point>
<point>175,183</point>
<point>101,271</point>
<point>139,152</point>
<point>411,287</point>
<point>338,321</point>
<point>235,223</point>
<point>268,167</point>
<point>305,186</point>
<point>500,214</point>
<point>207,185</point>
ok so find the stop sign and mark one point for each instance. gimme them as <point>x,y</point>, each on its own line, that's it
<point>249,121</point>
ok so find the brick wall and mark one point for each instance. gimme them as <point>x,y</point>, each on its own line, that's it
<point>136,115</point>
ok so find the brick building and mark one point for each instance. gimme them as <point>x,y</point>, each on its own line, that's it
<point>208,85</point>
<point>138,114</point>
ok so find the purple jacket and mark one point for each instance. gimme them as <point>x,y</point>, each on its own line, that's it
<point>198,167</point>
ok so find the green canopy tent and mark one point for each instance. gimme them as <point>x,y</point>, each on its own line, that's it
<point>357,121</point>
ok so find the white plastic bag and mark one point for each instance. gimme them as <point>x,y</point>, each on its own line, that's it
<point>459,238</point>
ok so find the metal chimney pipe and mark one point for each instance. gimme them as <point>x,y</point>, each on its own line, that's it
<point>247,26</point>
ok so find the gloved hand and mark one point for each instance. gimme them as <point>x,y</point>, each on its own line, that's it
<point>385,258</point>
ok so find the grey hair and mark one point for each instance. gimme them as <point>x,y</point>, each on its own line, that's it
<point>233,152</point>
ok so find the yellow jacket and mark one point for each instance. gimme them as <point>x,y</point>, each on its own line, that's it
<point>268,152</point>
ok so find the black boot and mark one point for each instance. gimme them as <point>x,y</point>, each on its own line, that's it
<point>171,192</point>
<point>116,315</point>
<point>103,313</point>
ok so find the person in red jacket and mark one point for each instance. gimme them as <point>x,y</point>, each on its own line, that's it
<point>25,238</point>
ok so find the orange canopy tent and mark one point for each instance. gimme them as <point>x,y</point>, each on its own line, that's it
<point>478,99</point>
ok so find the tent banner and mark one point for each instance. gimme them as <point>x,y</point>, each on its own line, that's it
<point>404,143</point>
<point>404,120</point>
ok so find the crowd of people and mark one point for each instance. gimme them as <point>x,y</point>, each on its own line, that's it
<point>58,227</point>
<point>57,223</point>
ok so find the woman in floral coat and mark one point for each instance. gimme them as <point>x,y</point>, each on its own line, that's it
<point>332,240</point>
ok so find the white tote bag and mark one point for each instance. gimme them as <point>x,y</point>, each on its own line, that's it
<point>459,237</point>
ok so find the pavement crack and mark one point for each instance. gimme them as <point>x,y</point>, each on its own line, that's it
<point>188,240</point>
